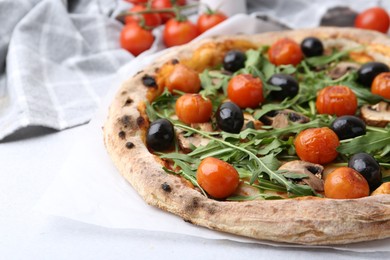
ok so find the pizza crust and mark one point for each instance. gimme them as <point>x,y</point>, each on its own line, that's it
<point>306,220</point>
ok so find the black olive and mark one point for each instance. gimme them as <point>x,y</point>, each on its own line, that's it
<point>230,117</point>
<point>348,127</point>
<point>234,60</point>
<point>369,71</point>
<point>367,166</point>
<point>289,86</point>
<point>312,46</point>
<point>160,135</point>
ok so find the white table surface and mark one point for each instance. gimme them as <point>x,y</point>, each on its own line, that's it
<point>29,165</point>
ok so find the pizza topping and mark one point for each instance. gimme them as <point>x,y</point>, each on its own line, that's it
<point>367,166</point>
<point>178,77</point>
<point>376,115</point>
<point>343,68</point>
<point>218,178</point>
<point>317,145</point>
<point>230,117</point>
<point>381,85</point>
<point>348,127</point>
<point>346,183</point>
<point>234,60</point>
<point>336,100</point>
<point>312,173</point>
<point>383,189</point>
<point>193,108</point>
<point>160,135</point>
<point>312,46</point>
<point>288,85</point>
<point>368,72</point>
<point>285,51</point>
<point>283,118</point>
<point>245,91</point>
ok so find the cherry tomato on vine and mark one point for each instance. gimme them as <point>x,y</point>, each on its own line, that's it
<point>346,183</point>
<point>336,100</point>
<point>184,79</point>
<point>137,1</point>
<point>209,20</point>
<point>193,108</point>
<point>179,32</point>
<point>375,18</point>
<point>381,85</point>
<point>164,4</point>
<point>245,91</point>
<point>135,39</point>
<point>152,19</point>
<point>284,52</point>
<point>317,145</point>
<point>218,178</point>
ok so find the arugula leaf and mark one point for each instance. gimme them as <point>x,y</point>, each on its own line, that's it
<point>370,142</point>
<point>257,196</point>
<point>326,59</point>
<point>295,176</point>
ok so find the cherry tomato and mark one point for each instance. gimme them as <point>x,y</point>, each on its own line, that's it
<point>317,145</point>
<point>381,85</point>
<point>152,19</point>
<point>218,178</point>
<point>135,39</point>
<point>193,108</point>
<point>183,79</point>
<point>209,20</point>
<point>164,4</point>
<point>137,1</point>
<point>375,18</point>
<point>345,183</point>
<point>179,32</point>
<point>336,100</point>
<point>245,91</point>
<point>285,51</point>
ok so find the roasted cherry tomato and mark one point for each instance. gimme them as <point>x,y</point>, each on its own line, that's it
<point>193,108</point>
<point>152,19</point>
<point>184,79</point>
<point>135,39</point>
<point>367,166</point>
<point>381,85</point>
<point>336,100</point>
<point>179,32</point>
<point>164,4</point>
<point>218,178</point>
<point>245,91</point>
<point>317,145</point>
<point>345,183</point>
<point>209,20</point>
<point>137,1</point>
<point>375,18</point>
<point>285,51</point>
<point>160,135</point>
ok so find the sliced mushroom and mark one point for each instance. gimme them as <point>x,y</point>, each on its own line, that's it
<point>376,115</point>
<point>251,122</point>
<point>342,68</point>
<point>187,142</point>
<point>282,118</point>
<point>312,170</point>
<point>207,127</point>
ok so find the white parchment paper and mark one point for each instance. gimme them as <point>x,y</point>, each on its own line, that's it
<point>89,188</point>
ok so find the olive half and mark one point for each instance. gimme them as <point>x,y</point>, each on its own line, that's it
<point>160,135</point>
<point>367,166</point>
<point>234,60</point>
<point>230,117</point>
<point>312,46</point>
<point>369,71</point>
<point>348,127</point>
<point>288,84</point>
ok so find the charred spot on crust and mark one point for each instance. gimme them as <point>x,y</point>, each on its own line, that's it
<point>211,209</point>
<point>140,121</point>
<point>149,81</point>
<point>174,61</point>
<point>193,204</point>
<point>122,135</point>
<point>123,93</point>
<point>126,120</point>
<point>128,102</point>
<point>165,186</point>
<point>188,221</point>
<point>139,72</point>
<point>129,145</point>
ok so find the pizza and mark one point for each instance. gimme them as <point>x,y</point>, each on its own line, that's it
<point>280,136</point>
